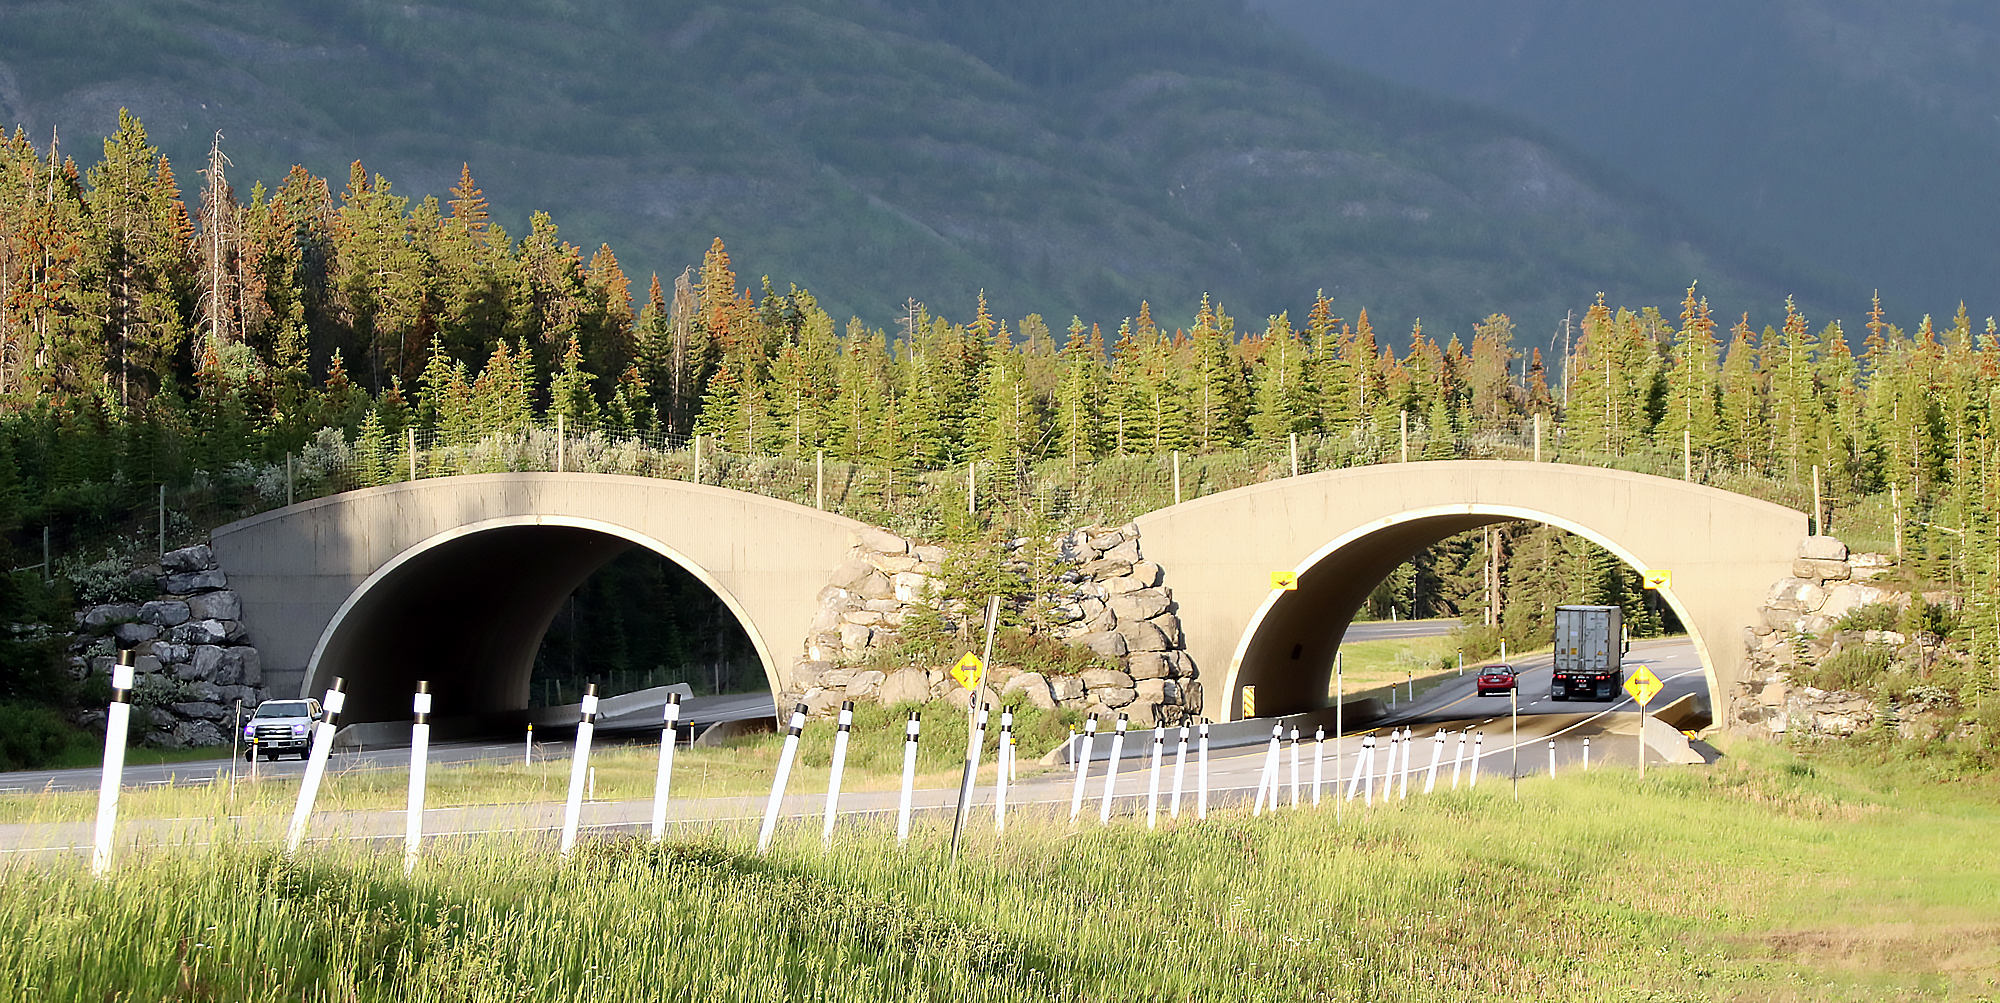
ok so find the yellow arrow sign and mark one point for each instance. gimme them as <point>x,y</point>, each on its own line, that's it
<point>1659,578</point>
<point>1286,580</point>
<point>968,671</point>
<point>1643,685</point>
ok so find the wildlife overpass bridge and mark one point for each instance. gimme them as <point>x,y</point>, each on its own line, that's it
<point>456,579</point>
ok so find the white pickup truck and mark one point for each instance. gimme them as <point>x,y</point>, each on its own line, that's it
<point>279,727</point>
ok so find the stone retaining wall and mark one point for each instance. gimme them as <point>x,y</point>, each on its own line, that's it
<point>189,651</point>
<point>1798,627</point>
<point>1109,599</point>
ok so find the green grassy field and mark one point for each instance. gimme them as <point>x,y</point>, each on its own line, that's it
<point>1767,877</point>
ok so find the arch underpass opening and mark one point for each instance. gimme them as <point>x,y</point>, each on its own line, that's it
<point>468,611</point>
<point>1287,650</point>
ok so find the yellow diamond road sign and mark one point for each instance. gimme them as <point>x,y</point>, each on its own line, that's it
<point>1659,579</point>
<point>968,670</point>
<point>1286,580</point>
<point>1643,685</point>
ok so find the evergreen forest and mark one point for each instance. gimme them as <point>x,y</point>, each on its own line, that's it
<point>212,354</point>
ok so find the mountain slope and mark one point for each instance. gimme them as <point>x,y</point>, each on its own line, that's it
<point>1856,136</point>
<point>1069,158</point>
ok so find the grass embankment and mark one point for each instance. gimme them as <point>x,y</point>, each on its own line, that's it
<point>1764,878</point>
<point>744,766</point>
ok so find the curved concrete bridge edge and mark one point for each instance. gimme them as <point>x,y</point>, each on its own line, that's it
<point>436,567</point>
<point>1342,530</point>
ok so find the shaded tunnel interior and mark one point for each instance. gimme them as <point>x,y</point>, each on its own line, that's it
<point>1290,657</point>
<point>468,615</point>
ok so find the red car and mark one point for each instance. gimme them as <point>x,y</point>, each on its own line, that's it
<point>1496,679</point>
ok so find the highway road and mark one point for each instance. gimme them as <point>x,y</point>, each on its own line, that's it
<point>697,712</point>
<point>1383,630</point>
<point>1234,773</point>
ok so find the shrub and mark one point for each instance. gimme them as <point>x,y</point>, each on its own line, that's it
<point>1857,668</point>
<point>1869,616</point>
<point>31,736</point>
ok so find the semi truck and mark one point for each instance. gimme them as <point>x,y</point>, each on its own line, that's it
<point>1590,653</point>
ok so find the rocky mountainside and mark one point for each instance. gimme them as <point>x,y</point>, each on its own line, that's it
<point>1069,158</point>
<point>1855,137</point>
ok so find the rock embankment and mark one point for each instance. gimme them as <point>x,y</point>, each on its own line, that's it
<point>192,656</point>
<point>1106,598</point>
<point>1803,622</point>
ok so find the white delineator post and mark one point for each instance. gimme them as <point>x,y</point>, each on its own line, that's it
<point>1360,764</point>
<point>1295,768</point>
<point>663,784</point>
<point>1111,768</point>
<point>117,724</point>
<point>1478,744</point>
<point>1403,772</point>
<point>579,767</point>
<point>1586,753</point>
<point>843,725</point>
<point>1005,755</point>
<point>1082,767</point>
<point>1267,779</point>
<point>909,778</point>
<point>784,775</point>
<point>528,750</point>
<point>1319,760</point>
<point>1201,795</point>
<point>420,748</point>
<point>1458,759</point>
<point>1153,785</point>
<point>1180,774</point>
<point>322,746</point>
<point>1389,768</point>
<point>1552,758</point>
<point>1437,756</point>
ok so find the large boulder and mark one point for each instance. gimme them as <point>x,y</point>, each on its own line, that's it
<point>129,634</point>
<point>1822,548</point>
<point>1150,664</point>
<point>188,559</point>
<point>1153,691</point>
<point>849,574</point>
<point>1143,635</point>
<point>1798,595</point>
<point>167,612</point>
<point>1067,689</point>
<point>99,616</point>
<point>1105,568</point>
<point>867,682</point>
<point>890,564</point>
<point>910,586</point>
<point>928,554</point>
<point>1109,643</point>
<point>193,582</point>
<point>1806,567</point>
<point>904,686</point>
<point>1143,604</point>
<point>876,586</point>
<point>855,636</point>
<point>221,605</point>
<point>1034,687</point>
<point>1106,540</point>
<point>1170,627</point>
<point>1097,678</point>
<point>1114,696</point>
<point>882,541</point>
<point>1126,551</point>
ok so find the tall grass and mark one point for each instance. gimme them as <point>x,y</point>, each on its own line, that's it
<point>1693,885</point>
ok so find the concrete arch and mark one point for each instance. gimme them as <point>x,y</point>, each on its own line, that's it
<point>1343,531</point>
<point>456,579</point>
